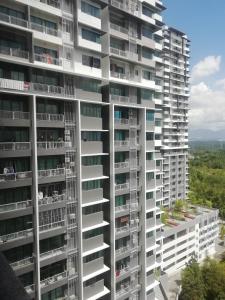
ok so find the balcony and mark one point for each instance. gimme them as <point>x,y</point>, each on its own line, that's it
<point>50,226</point>
<point>95,290</point>
<point>123,99</point>
<point>122,186</point>
<point>45,30</point>
<point>123,76</point>
<point>53,3</point>
<point>93,266</point>
<point>122,271</point>
<point>124,288</point>
<point>50,148</point>
<point>18,53</point>
<point>47,59</point>
<point>122,208</point>
<point>14,115</point>
<point>52,173</point>
<point>93,243</point>
<point>122,165</point>
<point>22,263</point>
<point>15,179</point>
<point>123,249</point>
<point>124,143</point>
<point>92,220</point>
<point>119,31</point>
<point>15,146</point>
<point>15,206</point>
<point>122,229</point>
<point>51,280</point>
<point>13,20</point>
<point>52,253</point>
<point>50,117</point>
<point>16,235</point>
<point>52,199</point>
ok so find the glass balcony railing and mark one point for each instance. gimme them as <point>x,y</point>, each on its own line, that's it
<point>14,52</point>
<point>16,235</point>
<point>51,226</point>
<point>50,280</point>
<point>45,30</point>
<point>13,20</point>
<point>122,249</point>
<point>15,146</point>
<point>47,59</point>
<point>51,199</point>
<point>119,28</point>
<point>122,186</point>
<point>119,75</point>
<point>15,176</point>
<point>121,121</point>
<point>21,263</point>
<point>123,228</point>
<point>15,206</point>
<point>124,164</point>
<point>122,143</point>
<point>49,145</point>
<point>14,115</point>
<point>52,253</point>
<point>51,172</point>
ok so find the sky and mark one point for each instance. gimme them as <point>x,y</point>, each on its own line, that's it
<point>204,23</point>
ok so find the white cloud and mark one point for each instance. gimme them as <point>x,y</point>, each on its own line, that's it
<point>207,106</point>
<point>206,67</point>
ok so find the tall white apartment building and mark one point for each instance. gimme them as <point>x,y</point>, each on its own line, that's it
<point>81,170</point>
<point>175,115</point>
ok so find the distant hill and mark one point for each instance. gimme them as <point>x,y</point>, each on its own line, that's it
<point>206,135</point>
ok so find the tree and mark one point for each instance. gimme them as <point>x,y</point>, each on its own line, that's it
<point>222,233</point>
<point>178,206</point>
<point>192,282</point>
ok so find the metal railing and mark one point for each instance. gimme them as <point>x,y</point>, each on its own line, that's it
<point>47,59</point>
<point>122,229</point>
<point>14,52</point>
<point>45,30</point>
<point>120,75</point>
<point>49,145</point>
<point>124,164</point>
<point>14,146</point>
<point>122,207</point>
<point>13,20</point>
<point>50,117</point>
<point>15,176</point>
<point>51,172</point>
<point>52,199</point>
<point>53,279</point>
<point>122,250</point>
<point>53,252</point>
<point>15,206</point>
<point>124,288</point>
<point>14,115</point>
<point>121,121</point>
<point>16,235</point>
<point>122,99</point>
<point>52,225</point>
<point>21,263</point>
<point>118,52</point>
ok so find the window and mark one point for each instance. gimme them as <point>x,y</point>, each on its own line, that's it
<point>149,195</point>
<point>90,85</point>
<point>158,122</point>
<point>92,185</point>
<point>147,75</point>
<point>149,156</point>
<point>120,135</point>
<point>120,178</point>
<point>15,195</point>
<point>91,136</point>
<point>14,134</point>
<point>90,9</point>
<point>147,53</point>
<point>157,137</point>
<point>147,32</point>
<point>92,233</point>
<point>44,23</point>
<point>158,163</point>
<point>91,110</point>
<point>120,157</point>
<point>147,11</point>
<point>19,253</point>
<point>150,136</point>
<point>17,75</point>
<point>53,269</point>
<point>150,116</point>
<point>120,200</point>
<point>12,12</point>
<point>150,176</point>
<point>91,160</point>
<point>15,225</point>
<point>91,36</point>
<point>118,90</point>
<point>57,293</point>
<point>91,61</point>
<point>45,51</point>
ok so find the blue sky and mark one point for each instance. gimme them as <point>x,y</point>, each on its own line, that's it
<point>204,23</point>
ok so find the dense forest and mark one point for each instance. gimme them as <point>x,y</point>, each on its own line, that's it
<point>207,179</point>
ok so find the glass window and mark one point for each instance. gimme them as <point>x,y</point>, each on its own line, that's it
<point>147,94</point>
<point>19,253</point>
<point>118,90</point>
<point>120,200</point>
<point>120,135</point>
<point>53,269</point>
<point>150,176</point>
<point>92,185</point>
<point>15,195</point>
<point>15,225</point>
<point>149,195</point>
<point>91,61</point>
<point>91,136</point>
<point>12,12</point>
<point>150,136</point>
<point>147,32</point>
<point>147,75</point>
<point>120,157</point>
<point>158,122</point>
<point>52,243</point>
<point>91,35</point>
<point>91,160</point>
<point>147,53</point>
<point>147,11</point>
<point>91,110</point>
<point>90,85</point>
<point>90,9</point>
<point>150,116</point>
<point>149,156</point>
<point>43,22</point>
<point>57,293</point>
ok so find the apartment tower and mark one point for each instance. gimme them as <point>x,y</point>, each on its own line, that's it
<point>81,169</point>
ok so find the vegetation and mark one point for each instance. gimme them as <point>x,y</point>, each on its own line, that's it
<point>207,179</point>
<point>204,282</point>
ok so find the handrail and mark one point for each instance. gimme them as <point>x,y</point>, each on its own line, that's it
<point>14,146</point>
<point>15,176</point>
<point>51,172</point>
<point>14,52</point>
<point>15,206</point>
<point>16,235</point>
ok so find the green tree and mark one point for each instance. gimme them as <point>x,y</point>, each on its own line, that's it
<point>192,282</point>
<point>222,232</point>
<point>178,206</point>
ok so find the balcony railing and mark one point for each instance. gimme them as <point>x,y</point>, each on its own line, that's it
<point>124,288</point>
<point>15,176</point>
<point>51,172</point>
<point>16,235</point>
<point>122,271</point>
<point>122,228</point>
<point>50,226</point>
<point>13,20</point>
<point>122,208</point>
<point>52,199</point>
<point>15,206</point>
<point>22,263</point>
<point>118,52</point>
<point>47,59</point>
<point>45,30</point>
<point>53,279</point>
<point>125,76</point>
<point>49,145</point>
<point>14,115</point>
<point>124,164</point>
<point>119,28</point>
<point>14,146</point>
<point>122,121</point>
<point>30,288</point>
<point>52,253</point>
<point>50,117</point>
<point>122,186</point>
<point>14,52</point>
<point>122,250</point>
<point>54,3</point>
<point>123,143</point>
